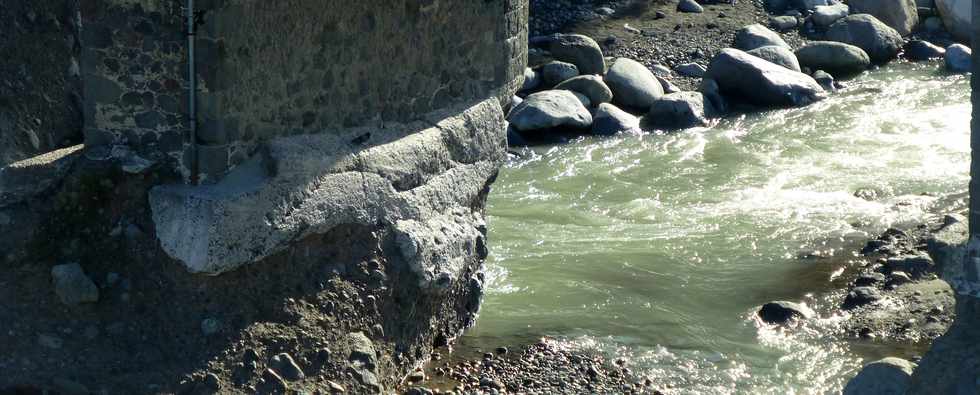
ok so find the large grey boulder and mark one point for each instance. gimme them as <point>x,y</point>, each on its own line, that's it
<point>901,15</point>
<point>689,6</point>
<point>825,15</point>
<point>878,40</point>
<point>589,85</point>
<point>833,57</point>
<point>755,36</point>
<point>72,286</point>
<point>778,55</point>
<point>554,73</point>
<point>741,75</point>
<point>784,22</point>
<point>679,110</point>
<point>958,58</point>
<point>917,50</point>
<point>609,120</point>
<point>956,16</point>
<point>885,377</point>
<point>550,109</point>
<point>579,50</point>
<point>633,84</point>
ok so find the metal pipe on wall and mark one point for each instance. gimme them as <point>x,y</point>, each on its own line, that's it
<point>192,90</point>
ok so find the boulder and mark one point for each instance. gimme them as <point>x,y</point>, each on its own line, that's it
<point>918,50</point>
<point>531,80</point>
<point>679,110</point>
<point>778,55</point>
<point>879,41</point>
<point>760,82</point>
<point>690,6</point>
<point>610,120</point>
<point>550,109</point>
<point>556,72</point>
<point>690,70</point>
<point>755,36</point>
<point>825,80</point>
<point>901,15</point>
<point>887,376</point>
<point>833,57</point>
<point>589,85</point>
<point>579,50</point>
<point>956,17</point>
<point>860,296</point>
<point>809,5</point>
<point>633,85</point>
<point>826,15</point>
<point>712,93</point>
<point>958,58</point>
<point>668,86</point>
<point>782,312</point>
<point>784,22</point>
<point>72,286</point>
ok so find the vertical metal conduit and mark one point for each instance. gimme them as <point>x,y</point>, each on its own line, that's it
<point>192,90</point>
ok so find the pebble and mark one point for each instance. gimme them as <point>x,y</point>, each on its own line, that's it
<point>287,367</point>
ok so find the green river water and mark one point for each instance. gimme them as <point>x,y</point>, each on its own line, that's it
<point>659,248</point>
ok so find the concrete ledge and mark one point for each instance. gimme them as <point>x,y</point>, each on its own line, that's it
<point>23,180</point>
<point>309,184</point>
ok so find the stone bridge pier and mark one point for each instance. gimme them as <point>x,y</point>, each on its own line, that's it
<point>311,220</point>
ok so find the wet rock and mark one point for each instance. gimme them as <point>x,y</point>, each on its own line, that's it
<point>610,120</point>
<point>679,110</point>
<point>838,59</point>
<point>287,367</point>
<point>778,55</point>
<point>784,23</point>
<point>741,75</point>
<point>72,286</point>
<point>886,376</point>
<point>633,84</point>
<point>550,109</point>
<point>958,58</point>
<point>878,40</point>
<point>689,6</point>
<point>589,85</point>
<point>918,50</point>
<point>782,312</point>
<point>690,70</point>
<point>755,36</point>
<point>826,15</point>
<point>579,50</point>
<point>869,279</point>
<point>901,15</point>
<point>860,296</point>
<point>825,80</point>
<point>554,73</point>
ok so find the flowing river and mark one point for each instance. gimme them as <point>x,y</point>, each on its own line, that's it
<point>660,248</point>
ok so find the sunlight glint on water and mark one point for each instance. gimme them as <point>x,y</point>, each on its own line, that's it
<point>660,247</point>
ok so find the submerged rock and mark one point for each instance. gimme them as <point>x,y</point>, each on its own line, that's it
<point>550,109</point>
<point>878,40</point>
<point>633,84</point>
<point>886,376</point>
<point>760,82</point>
<point>609,120</point>
<point>782,312</point>
<point>755,36</point>
<point>836,58</point>
<point>959,58</point>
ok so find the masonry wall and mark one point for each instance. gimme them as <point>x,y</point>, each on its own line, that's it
<point>269,69</point>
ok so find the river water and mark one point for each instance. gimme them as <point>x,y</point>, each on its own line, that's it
<point>659,248</point>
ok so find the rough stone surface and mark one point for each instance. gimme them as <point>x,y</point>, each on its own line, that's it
<point>589,85</point>
<point>878,40</point>
<point>784,22</point>
<point>778,55</point>
<point>825,15</point>
<point>958,58</point>
<point>755,36</point>
<point>554,73</point>
<point>886,376</point>
<point>579,50</point>
<point>550,109</point>
<point>679,110</point>
<point>901,15</point>
<point>72,286</point>
<point>610,120</point>
<point>633,84</point>
<point>836,58</point>
<point>739,74</point>
<point>956,17</point>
